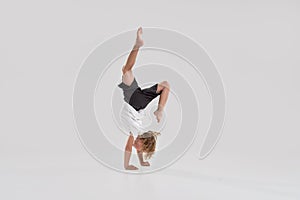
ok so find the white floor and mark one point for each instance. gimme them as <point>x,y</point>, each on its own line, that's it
<point>82,177</point>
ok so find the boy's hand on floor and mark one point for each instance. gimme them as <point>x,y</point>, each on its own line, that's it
<point>145,164</point>
<point>131,167</point>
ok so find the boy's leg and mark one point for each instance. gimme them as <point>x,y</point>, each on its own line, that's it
<point>164,88</point>
<point>132,56</point>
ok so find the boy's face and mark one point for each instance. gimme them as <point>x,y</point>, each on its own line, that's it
<point>138,144</point>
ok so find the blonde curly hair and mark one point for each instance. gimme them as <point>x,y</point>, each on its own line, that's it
<point>149,143</point>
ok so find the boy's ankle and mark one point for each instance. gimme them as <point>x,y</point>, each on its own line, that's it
<point>160,108</point>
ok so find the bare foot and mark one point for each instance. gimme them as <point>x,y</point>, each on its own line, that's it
<point>139,41</point>
<point>158,115</point>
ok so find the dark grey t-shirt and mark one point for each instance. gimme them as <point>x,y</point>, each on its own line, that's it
<point>128,90</point>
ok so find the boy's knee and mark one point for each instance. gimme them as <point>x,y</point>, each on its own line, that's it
<point>166,84</point>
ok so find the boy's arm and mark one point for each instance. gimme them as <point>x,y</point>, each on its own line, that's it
<point>127,153</point>
<point>140,155</point>
<point>141,159</point>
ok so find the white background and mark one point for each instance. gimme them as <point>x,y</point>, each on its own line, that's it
<point>255,47</point>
